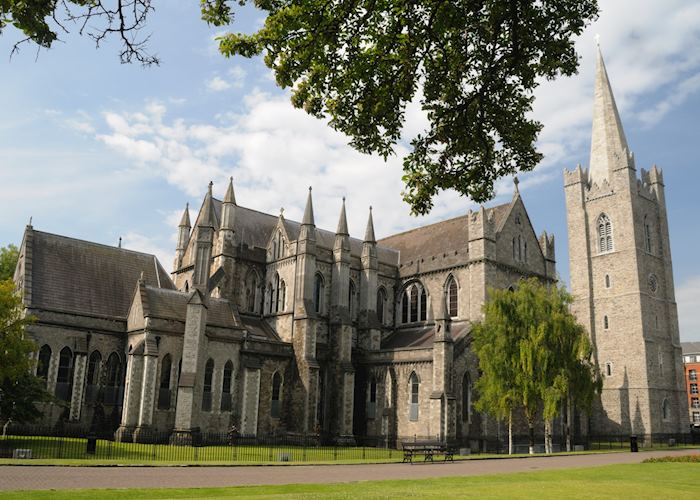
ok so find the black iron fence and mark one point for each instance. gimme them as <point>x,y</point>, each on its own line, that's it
<point>73,443</point>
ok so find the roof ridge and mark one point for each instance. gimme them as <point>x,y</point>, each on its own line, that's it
<point>94,243</point>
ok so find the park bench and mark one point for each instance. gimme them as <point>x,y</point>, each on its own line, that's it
<point>428,449</point>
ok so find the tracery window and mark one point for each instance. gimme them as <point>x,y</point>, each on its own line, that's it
<point>414,302</point>
<point>605,238</point>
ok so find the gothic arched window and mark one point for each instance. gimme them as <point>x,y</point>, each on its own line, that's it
<point>93,373</point>
<point>466,398</point>
<point>164,386</point>
<point>93,376</point>
<point>276,395</point>
<point>372,399</point>
<point>114,379</point>
<point>251,291</point>
<point>606,322</point>
<point>414,302</point>
<point>282,296</point>
<point>665,410</point>
<point>42,366</point>
<point>605,238</point>
<point>64,379</point>
<point>381,304</point>
<point>414,401</point>
<point>452,297</point>
<point>206,390</point>
<point>226,383</point>
<point>318,293</point>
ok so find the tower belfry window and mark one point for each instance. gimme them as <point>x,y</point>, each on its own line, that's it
<point>605,241</point>
<point>647,235</point>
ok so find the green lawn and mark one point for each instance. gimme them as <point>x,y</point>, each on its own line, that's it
<point>638,481</point>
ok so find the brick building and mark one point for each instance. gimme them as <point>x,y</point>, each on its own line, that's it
<point>691,365</point>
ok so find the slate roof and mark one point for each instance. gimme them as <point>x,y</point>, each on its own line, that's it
<point>441,237</point>
<point>255,228</point>
<point>690,347</point>
<point>88,278</point>
<point>421,337</point>
<point>172,304</point>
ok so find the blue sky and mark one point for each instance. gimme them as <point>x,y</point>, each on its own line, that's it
<point>94,149</point>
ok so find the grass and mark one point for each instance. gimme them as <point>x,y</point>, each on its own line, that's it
<point>638,481</point>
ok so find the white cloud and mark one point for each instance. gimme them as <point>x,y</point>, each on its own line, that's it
<point>652,53</point>
<point>688,298</point>
<point>217,84</point>
<point>274,151</point>
<point>146,244</point>
<point>677,96</point>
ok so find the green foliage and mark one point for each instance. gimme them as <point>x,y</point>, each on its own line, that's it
<point>19,389</point>
<point>532,353</point>
<point>8,261</point>
<point>18,398</point>
<point>471,65</point>
<point>14,348</point>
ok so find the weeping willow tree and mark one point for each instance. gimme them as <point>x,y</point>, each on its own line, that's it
<point>533,356</point>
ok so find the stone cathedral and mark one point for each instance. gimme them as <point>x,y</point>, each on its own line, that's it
<point>281,327</point>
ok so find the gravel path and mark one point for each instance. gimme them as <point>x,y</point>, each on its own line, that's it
<point>27,477</point>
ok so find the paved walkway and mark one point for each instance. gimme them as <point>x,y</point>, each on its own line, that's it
<point>29,477</point>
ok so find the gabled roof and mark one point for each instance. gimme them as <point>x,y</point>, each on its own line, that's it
<point>441,237</point>
<point>172,304</point>
<point>77,276</point>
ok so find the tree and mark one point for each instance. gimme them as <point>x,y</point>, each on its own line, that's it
<point>532,351</point>
<point>20,390</point>
<point>492,343</point>
<point>471,65</point>
<point>8,261</point>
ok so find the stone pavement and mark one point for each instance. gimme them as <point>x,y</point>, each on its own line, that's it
<point>28,477</point>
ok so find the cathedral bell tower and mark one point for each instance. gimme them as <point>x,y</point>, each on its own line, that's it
<point>622,280</point>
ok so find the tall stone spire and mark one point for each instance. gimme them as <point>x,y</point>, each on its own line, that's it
<point>308,219</point>
<point>608,142</point>
<point>369,232</point>
<point>342,221</point>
